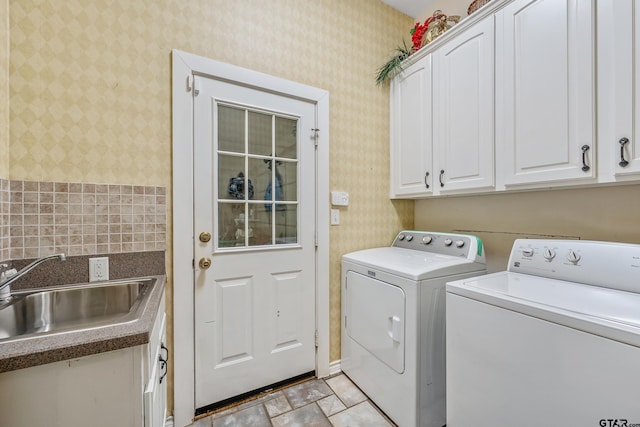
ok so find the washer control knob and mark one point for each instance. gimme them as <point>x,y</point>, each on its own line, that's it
<point>448,242</point>
<point>409,237</point>
<point>427,239</point>
<point>401,237</point>
<point>459,243</point>
<point>549,254</point>
<point>573,257</point>
<point>528,252</point>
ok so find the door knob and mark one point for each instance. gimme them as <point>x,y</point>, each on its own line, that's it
<point>205,236</point>
<point>204,263</point>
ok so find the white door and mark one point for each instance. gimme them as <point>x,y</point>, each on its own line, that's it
<point>463,110</point>
<point>254,193</point>
<point>545,86</point>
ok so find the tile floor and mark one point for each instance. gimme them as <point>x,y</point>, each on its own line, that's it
<point>333,401</point>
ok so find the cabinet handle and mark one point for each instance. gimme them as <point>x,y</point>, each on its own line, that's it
<point>425,179</point>
<point>162,347</point>
<point>163,362</point>
<point>623,142</point>
<point>585,167</point>
<point>441,175</point>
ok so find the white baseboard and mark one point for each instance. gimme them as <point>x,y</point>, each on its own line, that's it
<point>334,367</point>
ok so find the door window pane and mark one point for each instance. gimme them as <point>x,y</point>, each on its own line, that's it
<point>231,218</point>
<point>261,227</point>
<point>232,182</point>
<point>260,177</point>
<point>288,172</point>
<point>260,134</point>
<point>286,223</point>
<point>286,138</point>
<point>231,129</point>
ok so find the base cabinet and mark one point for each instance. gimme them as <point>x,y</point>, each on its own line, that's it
<point>155,393</point>
<point>117,388</point>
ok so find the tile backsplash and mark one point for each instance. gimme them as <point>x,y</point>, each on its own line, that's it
<point>42,218</point>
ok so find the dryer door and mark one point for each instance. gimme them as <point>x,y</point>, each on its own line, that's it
<point>375,318</point>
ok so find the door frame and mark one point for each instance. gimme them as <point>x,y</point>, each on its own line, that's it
<point>184,66</point>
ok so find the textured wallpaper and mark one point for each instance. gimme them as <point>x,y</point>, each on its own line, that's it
<point>4,130</point>
<point>91,93</point>
<point>4,90</point>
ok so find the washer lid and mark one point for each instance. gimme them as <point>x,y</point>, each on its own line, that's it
<point>610,313</point>
<point>414,265</point>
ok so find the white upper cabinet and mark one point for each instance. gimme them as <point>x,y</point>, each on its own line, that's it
<point>619,89</point>
<point>507,100</point>
<point>463,113</point>
<point>411,135</point>
<point>545,92</point>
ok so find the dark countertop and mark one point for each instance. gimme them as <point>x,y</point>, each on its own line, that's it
<point>40,350</point>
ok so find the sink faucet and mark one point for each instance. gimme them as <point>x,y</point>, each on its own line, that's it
<point>6,281</point>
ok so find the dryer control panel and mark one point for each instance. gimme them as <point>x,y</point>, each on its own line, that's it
<point>459,245</point>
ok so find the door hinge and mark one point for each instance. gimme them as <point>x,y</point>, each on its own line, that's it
<point>193,85</point>
<point>315,136</point>
<point>189,82</point>
<point>316,338</point>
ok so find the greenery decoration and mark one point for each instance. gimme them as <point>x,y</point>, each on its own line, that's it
<point>394,65</point>
<point>421,34</point>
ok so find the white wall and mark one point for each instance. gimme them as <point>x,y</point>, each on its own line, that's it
<point>603,213</point>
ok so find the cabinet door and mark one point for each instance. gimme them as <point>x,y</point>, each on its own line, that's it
<point>619,89</point>
<point>411,138</point>
<point>545,91</point>
<point>464,110</point>
<point>155,393</point>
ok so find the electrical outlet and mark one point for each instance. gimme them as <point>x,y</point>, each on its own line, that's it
<point>98,269</point>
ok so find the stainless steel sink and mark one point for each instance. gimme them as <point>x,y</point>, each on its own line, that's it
<point>69,308</point>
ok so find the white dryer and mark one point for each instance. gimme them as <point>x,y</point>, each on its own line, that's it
<point>393,313</point>
<point>554,340</point>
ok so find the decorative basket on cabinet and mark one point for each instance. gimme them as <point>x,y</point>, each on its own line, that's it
<point>475,5</point>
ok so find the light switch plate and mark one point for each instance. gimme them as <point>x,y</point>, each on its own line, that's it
<point>335,217</point>
<point>98,269</point>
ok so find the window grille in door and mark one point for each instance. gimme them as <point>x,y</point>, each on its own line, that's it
<point>256,158</point>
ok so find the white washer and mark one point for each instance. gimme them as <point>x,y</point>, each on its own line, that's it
<point>554,340</point>
<point>393,335</point>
